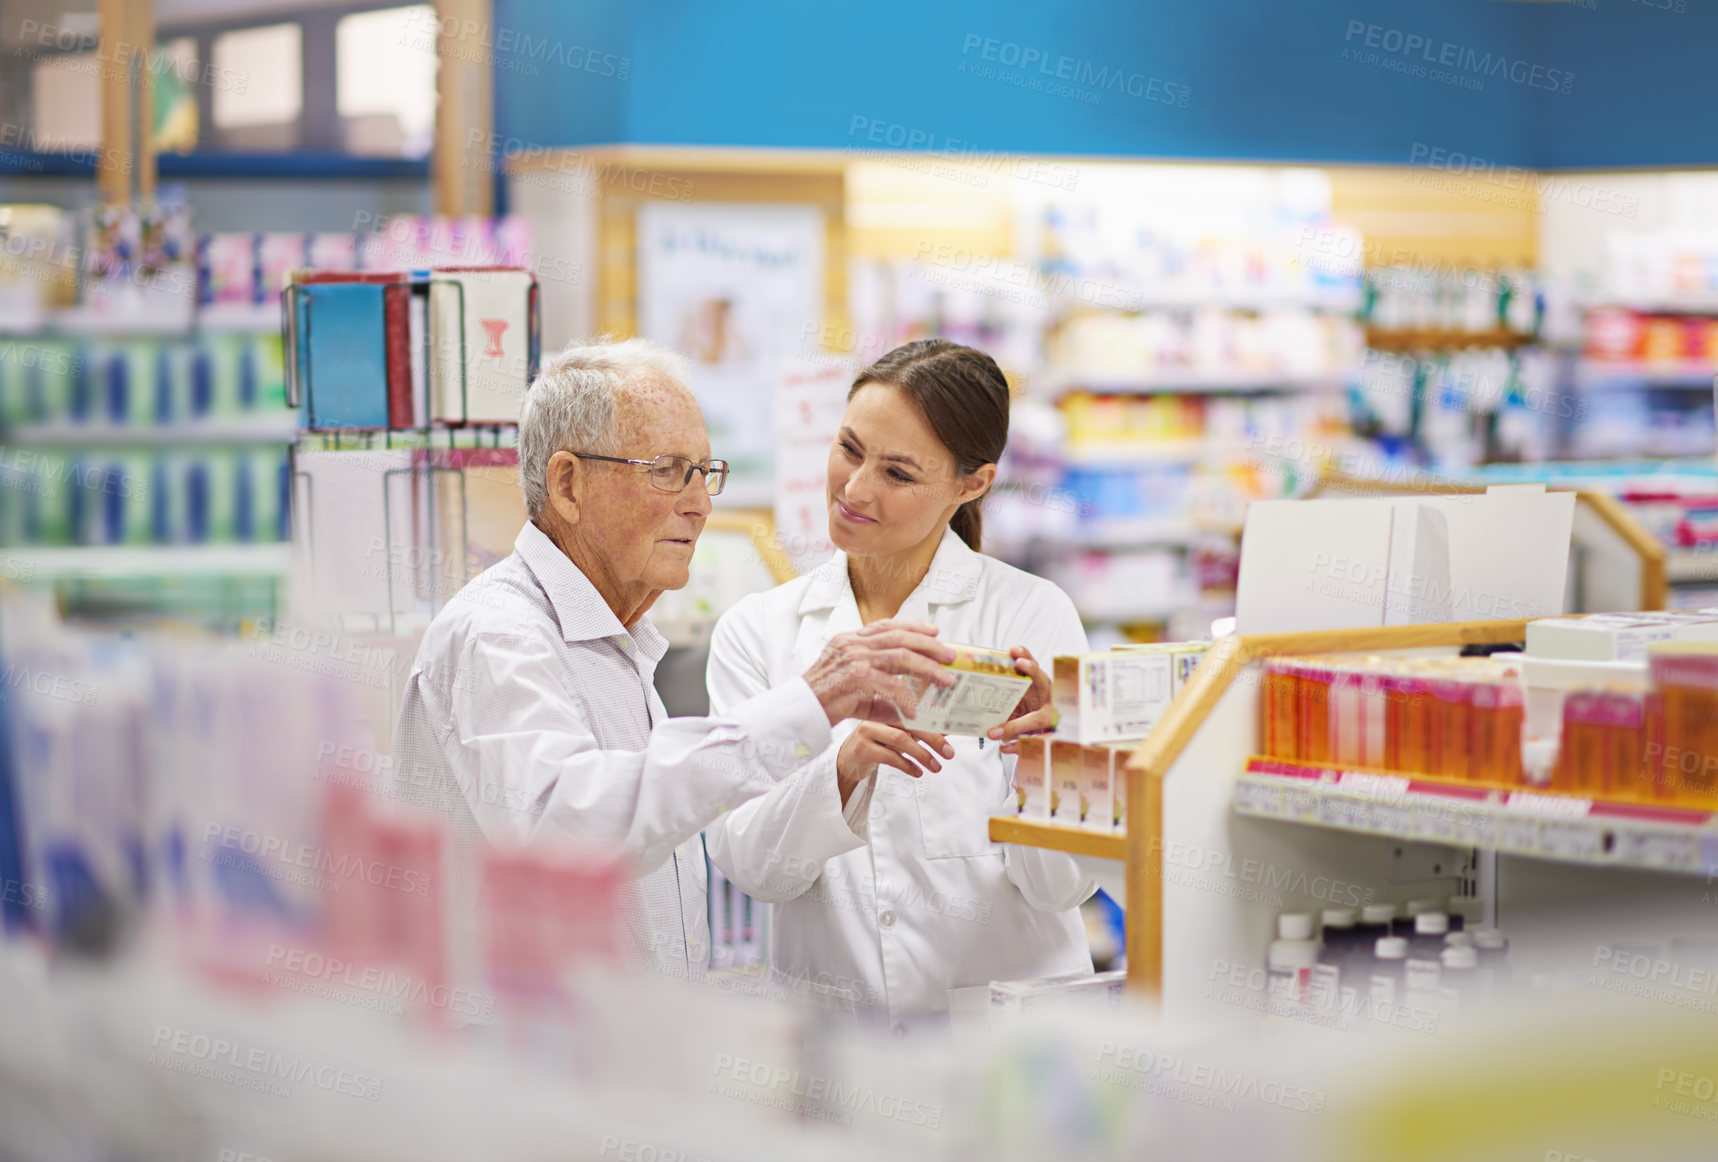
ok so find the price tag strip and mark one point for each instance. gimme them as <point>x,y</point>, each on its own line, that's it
<point>1531,823</point>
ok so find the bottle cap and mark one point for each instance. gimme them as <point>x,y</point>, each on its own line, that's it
<point>1391,948</point>
<point>1469,908</point>
<point>1489,939</point>
<point>1294,926</point>
<point>1377,913</point>
<point>1461,957</point>
<point>1415,907</point>
<point>1458,940</point>
<point>1431,924</point>
<point>1288,955</point>
<point>1338,917</point>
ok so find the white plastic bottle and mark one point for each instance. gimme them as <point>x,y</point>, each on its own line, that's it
<point>1290,963</point>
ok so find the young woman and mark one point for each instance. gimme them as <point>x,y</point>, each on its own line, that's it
<point>876,853</point>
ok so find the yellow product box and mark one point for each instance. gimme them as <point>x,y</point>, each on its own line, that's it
<point>986,690</point>
<point>1111,697</point>
<point>1103,785</point>
<point>1032,776</point>
<point>1067,804</point>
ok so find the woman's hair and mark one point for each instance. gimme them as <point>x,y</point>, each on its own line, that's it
<point>963,396</point>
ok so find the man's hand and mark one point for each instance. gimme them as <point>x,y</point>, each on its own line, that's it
<point>873,745</point>
<point>863,674</point>
<point>1035,714</point>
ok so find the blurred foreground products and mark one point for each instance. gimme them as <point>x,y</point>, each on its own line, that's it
<point>229,926</point>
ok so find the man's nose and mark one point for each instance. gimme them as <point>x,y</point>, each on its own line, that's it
<point>695,500</point>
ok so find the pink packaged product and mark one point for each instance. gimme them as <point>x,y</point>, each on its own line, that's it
<point>228,268</point>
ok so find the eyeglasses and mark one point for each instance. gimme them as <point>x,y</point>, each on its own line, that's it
<point>674,473</point>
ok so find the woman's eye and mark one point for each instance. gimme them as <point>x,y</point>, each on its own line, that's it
<point>850,449</point>
<point>897,475</point>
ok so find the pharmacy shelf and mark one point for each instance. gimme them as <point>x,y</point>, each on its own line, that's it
<point>1055,383</point>
<point>111,562</point>
<point>1058,836</point>
<point>1151,451</point>
<point>269,428</point>
<point>1543,826</point>
<point>1689,373</point>
<point>1144,300</point>
<point>1683,565</point>
<point>1410,339</point>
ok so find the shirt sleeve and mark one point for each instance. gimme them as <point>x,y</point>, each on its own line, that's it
<point>1047,624</point>
<point>774,846</point>
<point>529,762</point>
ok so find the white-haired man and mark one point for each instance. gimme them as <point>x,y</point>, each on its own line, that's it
<point>530,709</point>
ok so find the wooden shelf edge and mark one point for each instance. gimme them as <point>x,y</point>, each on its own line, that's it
<point>1057,837</point>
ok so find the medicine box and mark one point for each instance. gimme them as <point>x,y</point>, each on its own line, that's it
<point>1011,999</point>
<point>986,690</point>
<point>1103,785</point>
<point>1032,776</point>
<point>1111,697</point>
<point>1615,637</point>
<point>1066,767</point>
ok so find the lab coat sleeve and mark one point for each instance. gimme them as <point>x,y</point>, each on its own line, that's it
<point>774,846</point>
<point>539,770</point>
<point>1047,624</point>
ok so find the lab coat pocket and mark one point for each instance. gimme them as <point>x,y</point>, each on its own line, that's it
<point>956,803</point>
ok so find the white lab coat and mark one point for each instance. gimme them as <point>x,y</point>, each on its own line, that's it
<point>902,896</point>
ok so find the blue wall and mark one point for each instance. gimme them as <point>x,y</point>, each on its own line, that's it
<point>1317,80</point>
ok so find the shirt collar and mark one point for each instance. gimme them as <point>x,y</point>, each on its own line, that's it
<point>581,610</point>
<point>952,577</point>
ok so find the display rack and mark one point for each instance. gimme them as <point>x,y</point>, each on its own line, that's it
<point>1543,826</point>
<point>1181,794</point>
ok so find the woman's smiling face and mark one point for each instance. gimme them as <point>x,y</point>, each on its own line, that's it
<point>892,483</point>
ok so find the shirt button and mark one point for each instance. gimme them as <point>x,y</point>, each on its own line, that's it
<point>802,751</point>
<point>886,918</point>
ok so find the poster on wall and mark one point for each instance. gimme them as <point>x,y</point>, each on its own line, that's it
<point>809,403</point>
<point>735,288</point>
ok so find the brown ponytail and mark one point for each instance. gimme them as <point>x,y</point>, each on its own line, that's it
<point>964,397</point>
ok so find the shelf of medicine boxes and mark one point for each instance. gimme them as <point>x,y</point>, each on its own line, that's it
<point>124,562</point>
<point>264,427</point>
<point>1683,373</point>
<point>1054,382</point>
<point>1514,822</point>
<point>1202,743</point>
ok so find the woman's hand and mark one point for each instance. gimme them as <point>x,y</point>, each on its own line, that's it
<point>1035,713</point>
<point>872,745</point>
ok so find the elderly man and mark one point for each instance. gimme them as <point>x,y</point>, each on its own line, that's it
<point>530,709</point>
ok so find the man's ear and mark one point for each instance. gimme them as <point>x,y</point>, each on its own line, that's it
<point>977,482</point>
<point>564,480</point>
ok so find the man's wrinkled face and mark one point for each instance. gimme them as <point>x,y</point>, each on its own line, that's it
<point>643,535</point>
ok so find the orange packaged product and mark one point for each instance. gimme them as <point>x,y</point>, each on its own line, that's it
<point>1280,710</point>
<point>1649,782</point>
<point>1494,731</point>
<point>1583,755</point>
<point>1315,679</point>
<point>1625,715</point>
<point>1686,677</point>
<point>1409,744</point>
<point>1448,710</point>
